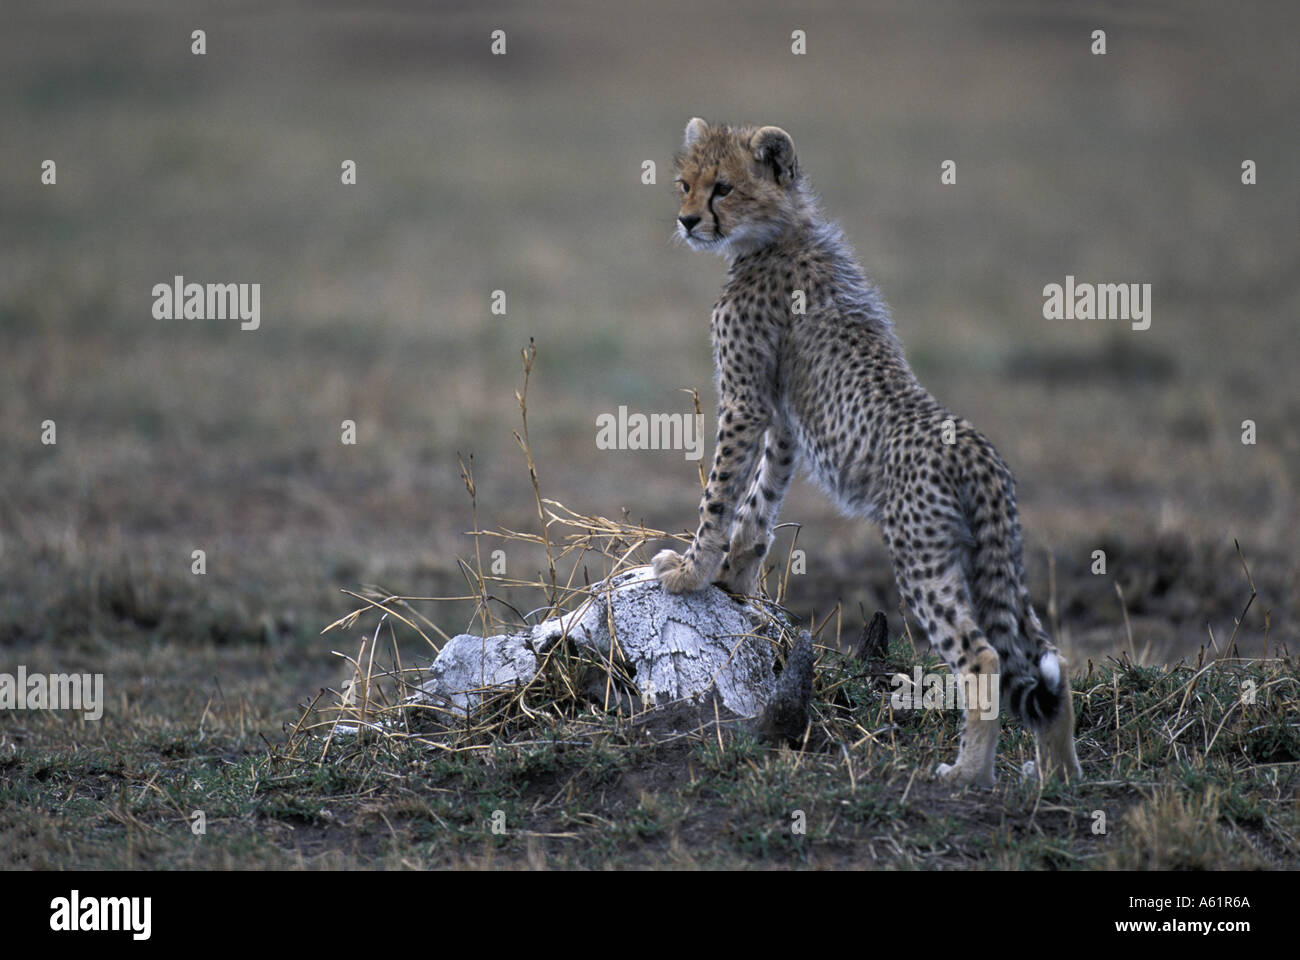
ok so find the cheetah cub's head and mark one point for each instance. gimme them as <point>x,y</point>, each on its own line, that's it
<point>740,187</point>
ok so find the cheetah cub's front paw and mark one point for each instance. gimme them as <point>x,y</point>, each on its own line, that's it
<point>676,573</point>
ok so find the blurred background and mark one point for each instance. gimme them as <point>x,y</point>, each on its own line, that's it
<point>522,173</point>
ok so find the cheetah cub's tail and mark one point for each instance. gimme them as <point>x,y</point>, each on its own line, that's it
<point>1033,688</point>
<point>1032,684</point>
<point>1044,701</point>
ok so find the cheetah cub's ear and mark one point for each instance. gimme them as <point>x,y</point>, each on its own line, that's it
<point>694,130</point>
<point>774,149</point>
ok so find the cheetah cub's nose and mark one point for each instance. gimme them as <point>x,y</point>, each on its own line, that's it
<point>688,222</point>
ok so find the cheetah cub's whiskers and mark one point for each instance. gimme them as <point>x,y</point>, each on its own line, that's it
<point>809,370</point>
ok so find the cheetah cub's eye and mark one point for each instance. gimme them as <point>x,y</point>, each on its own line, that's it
<point>721,189</point>
<point>686,187</point>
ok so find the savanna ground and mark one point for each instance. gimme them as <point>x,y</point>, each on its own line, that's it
<point>523,173</point>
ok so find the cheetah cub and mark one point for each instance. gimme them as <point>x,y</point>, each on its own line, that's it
<point>809,369</point>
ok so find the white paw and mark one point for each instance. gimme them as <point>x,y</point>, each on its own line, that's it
<point>676,573</point>
<point>1029,771</point>
<point>957,776</point>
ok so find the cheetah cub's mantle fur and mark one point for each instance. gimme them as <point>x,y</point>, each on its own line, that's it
<point>809,368</point>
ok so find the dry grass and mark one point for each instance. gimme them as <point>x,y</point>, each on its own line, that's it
<point>383,700</point>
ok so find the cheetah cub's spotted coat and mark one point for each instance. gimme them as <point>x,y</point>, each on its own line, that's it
<point>809,368</point>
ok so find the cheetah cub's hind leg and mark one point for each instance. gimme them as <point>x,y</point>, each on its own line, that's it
<point>751,533</point>
<point>942,605</point>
